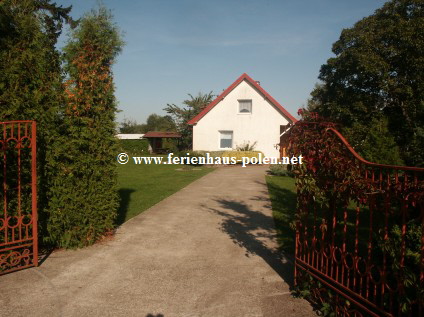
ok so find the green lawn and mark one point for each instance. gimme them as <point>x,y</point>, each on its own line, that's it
<point>282,192</point>
<point>142,186</point>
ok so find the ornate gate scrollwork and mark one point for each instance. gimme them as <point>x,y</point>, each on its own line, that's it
<point>18,196</point>
<point>359,227</point>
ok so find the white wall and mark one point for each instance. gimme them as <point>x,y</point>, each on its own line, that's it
<point>262,125</point>
<point>131,136</point>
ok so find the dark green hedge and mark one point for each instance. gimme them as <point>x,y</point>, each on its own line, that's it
<point>134,147</point>
<point>84,199</point>
<point>76,143</point>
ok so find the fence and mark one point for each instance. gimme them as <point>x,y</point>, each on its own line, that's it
<point>359,228</point>
<point>18,199</point>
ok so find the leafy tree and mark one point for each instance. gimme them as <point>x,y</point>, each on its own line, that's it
<point>131,126</point>
<point>375,85</point>
<point>84,198</point>
<point>380,143</point>
<point>191,107</point>
<point>154,122</point>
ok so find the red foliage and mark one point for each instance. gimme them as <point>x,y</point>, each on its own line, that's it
<point>385,207</point>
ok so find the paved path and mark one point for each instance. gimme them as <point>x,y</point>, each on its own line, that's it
<point>208,250</point>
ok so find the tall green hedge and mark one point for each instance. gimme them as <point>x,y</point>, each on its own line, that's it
<point>31,79</point>
<point>73,103</point>
<point>134,147</point>
<point>84,198</point>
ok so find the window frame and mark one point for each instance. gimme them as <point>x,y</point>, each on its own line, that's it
<point>220,139</point>
<point>239,106</point>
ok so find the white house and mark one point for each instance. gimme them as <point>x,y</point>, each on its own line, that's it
<point>243,113</point>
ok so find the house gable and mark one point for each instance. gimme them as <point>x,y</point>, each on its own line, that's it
<point>223,126</point>
<point>256,87</point>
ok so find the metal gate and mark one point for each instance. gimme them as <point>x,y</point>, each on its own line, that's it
<point>359,230</point>
<point>18,196</point>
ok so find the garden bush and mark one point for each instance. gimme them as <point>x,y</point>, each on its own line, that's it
<point>212,153</point>
<point>190,154</point>
<point>247,146</point>
<point>280,170</point>
<point>134,147</point>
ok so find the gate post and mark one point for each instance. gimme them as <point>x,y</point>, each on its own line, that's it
<point>34,191</point>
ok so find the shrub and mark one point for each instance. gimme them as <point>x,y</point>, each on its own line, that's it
<point>190,154</point>
<point>134,147</point>
<point>280,170</point>
<point>212,153</point>
<point>246,146</point>
<point>171,145</point>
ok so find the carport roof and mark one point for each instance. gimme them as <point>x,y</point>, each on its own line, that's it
<point>159,134</point>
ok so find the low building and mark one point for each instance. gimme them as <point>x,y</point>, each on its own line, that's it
<point>156,140</point>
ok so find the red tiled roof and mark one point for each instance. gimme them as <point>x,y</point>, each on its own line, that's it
<point>234,85</point>
<point>159,134</point>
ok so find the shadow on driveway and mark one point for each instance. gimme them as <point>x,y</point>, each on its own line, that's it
<point>249,229</point>
<point>124,201</point>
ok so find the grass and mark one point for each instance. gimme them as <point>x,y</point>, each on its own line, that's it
<point>282,192</point>
<point>142,186</point>
<point>357,239</point>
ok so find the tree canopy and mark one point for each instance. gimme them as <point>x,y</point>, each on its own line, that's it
<point>31,80</point>
<point>374,86</point>
<point>154,122</point>
<point>130,126</point>
<point>181,114</point>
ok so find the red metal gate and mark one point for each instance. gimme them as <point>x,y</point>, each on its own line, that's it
<point>359,229</point>
<point>18,196</point>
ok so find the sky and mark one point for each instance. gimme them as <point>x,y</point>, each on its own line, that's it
<point>179,47</point>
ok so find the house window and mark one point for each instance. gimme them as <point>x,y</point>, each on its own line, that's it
<point>245,106</point>
<point>226,139</point>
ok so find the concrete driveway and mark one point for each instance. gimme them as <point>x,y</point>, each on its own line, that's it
<point>207,250</point>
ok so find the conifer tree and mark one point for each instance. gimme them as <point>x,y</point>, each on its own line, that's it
<point>31,78</point>
<point>85,200</point>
